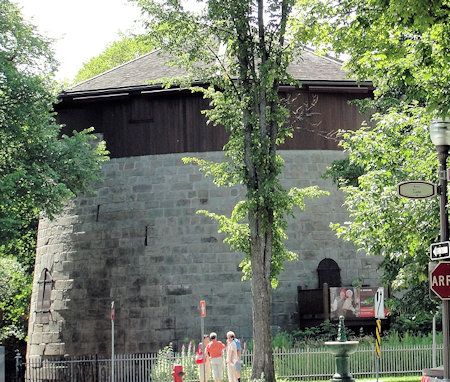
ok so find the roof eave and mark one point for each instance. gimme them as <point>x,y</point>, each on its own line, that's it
<point>156,88</point>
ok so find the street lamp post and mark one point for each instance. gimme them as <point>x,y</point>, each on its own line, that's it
<point>440,136</point>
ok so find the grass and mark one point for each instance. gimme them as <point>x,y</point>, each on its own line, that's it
<point>409,378</point>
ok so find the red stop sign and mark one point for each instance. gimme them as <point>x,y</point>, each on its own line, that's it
<point>440,280</point>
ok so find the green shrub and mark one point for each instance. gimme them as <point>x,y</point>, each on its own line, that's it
<point>393,337</point>
<point>282,340</point>
<point>164,365</point>
<point>162,370</point>
<point>317,335</point>
<point>417,325</point>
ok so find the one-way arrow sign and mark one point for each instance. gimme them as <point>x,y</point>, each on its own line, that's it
<point>440,251</point>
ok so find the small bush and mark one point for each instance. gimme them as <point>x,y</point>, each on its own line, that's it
<point>162,370</point>
<point>317,335</point>
<point>282,340</point>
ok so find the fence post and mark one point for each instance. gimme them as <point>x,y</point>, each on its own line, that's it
<point>96,369</point>
<point>18,359</point>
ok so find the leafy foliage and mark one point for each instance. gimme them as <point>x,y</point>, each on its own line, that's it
<point>39,170</point>
<point>412,328</point>
<point>127,48</point>
<point>396,149</point>
<point>167,358</point>
<point>239,50</point>
<point>343,172</point>
<point>403,49</point>
<point>238,232</point>
<point>15,292</point>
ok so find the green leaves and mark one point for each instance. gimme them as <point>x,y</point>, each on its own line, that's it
<point>397,148</point>
<point>243,59</point>
<point>127,48</point>
<point>237,229</point>
<point>395,44</point>
<point>15,293</point>
<point>39,170</point>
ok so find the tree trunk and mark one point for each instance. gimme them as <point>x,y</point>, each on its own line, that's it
<point>261,253</point>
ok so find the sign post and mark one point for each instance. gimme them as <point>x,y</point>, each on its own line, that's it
<point>113,313</point>
<point>202,318</point>
<point>202,327</point>
<point>378,346</point>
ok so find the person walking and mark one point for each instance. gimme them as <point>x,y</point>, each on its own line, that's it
<point>231,357</point>
<point>215,352</point>
<point>238,362</point>
<point>204,369</point>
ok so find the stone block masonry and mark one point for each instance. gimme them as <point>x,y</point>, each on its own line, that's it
<point>139,242</point>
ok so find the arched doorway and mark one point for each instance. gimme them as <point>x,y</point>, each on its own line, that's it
<point>329,272</point>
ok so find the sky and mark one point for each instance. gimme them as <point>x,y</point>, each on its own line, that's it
<point>82,28</point>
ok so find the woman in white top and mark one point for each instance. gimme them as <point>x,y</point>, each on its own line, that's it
<point>231,357</point>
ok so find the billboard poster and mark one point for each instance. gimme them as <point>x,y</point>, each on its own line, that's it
<point>344,301</point>
<point>352,302</point>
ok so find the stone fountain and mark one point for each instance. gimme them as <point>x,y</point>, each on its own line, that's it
<point>341,348</point>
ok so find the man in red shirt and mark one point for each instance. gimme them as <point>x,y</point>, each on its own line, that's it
<point>215,352</point>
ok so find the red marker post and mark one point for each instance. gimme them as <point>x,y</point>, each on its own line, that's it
<point>202,328</point>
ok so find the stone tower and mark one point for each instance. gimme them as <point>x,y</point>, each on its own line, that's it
<point>139,242</point>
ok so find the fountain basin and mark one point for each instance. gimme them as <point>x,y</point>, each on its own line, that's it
<point>340,349</point>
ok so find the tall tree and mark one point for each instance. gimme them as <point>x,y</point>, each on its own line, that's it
<point>396,148</point>
<point>39,170</point>
<point>404,49</point>
<point>239,48</point>
<point>117,53</point>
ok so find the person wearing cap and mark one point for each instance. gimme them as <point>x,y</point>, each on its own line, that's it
<point>231,357</point>
<point>215,351</point>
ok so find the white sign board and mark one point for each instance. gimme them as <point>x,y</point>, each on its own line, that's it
<point>416,189</point>
<point>379,303</point>
<point>440,251</point>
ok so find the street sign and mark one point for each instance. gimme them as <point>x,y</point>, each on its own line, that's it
<point>440,251</point>
<point>416,189</point>
<point>440,280</point>
<point>379,304</point>
<point>202,308</point>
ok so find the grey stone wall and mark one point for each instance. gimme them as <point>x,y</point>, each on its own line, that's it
<point>139,242</point>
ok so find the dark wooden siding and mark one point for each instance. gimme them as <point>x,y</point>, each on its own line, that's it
<point>161,123</point>
<point>316,117</point>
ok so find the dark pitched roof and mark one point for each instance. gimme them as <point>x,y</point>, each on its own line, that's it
<point>310,67</point>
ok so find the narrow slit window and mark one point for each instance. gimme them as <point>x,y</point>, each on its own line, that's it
<point>44,293</point>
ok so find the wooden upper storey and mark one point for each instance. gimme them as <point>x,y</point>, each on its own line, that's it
<point>138,119</point>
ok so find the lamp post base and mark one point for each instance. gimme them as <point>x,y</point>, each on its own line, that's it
<point>342,378</point>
